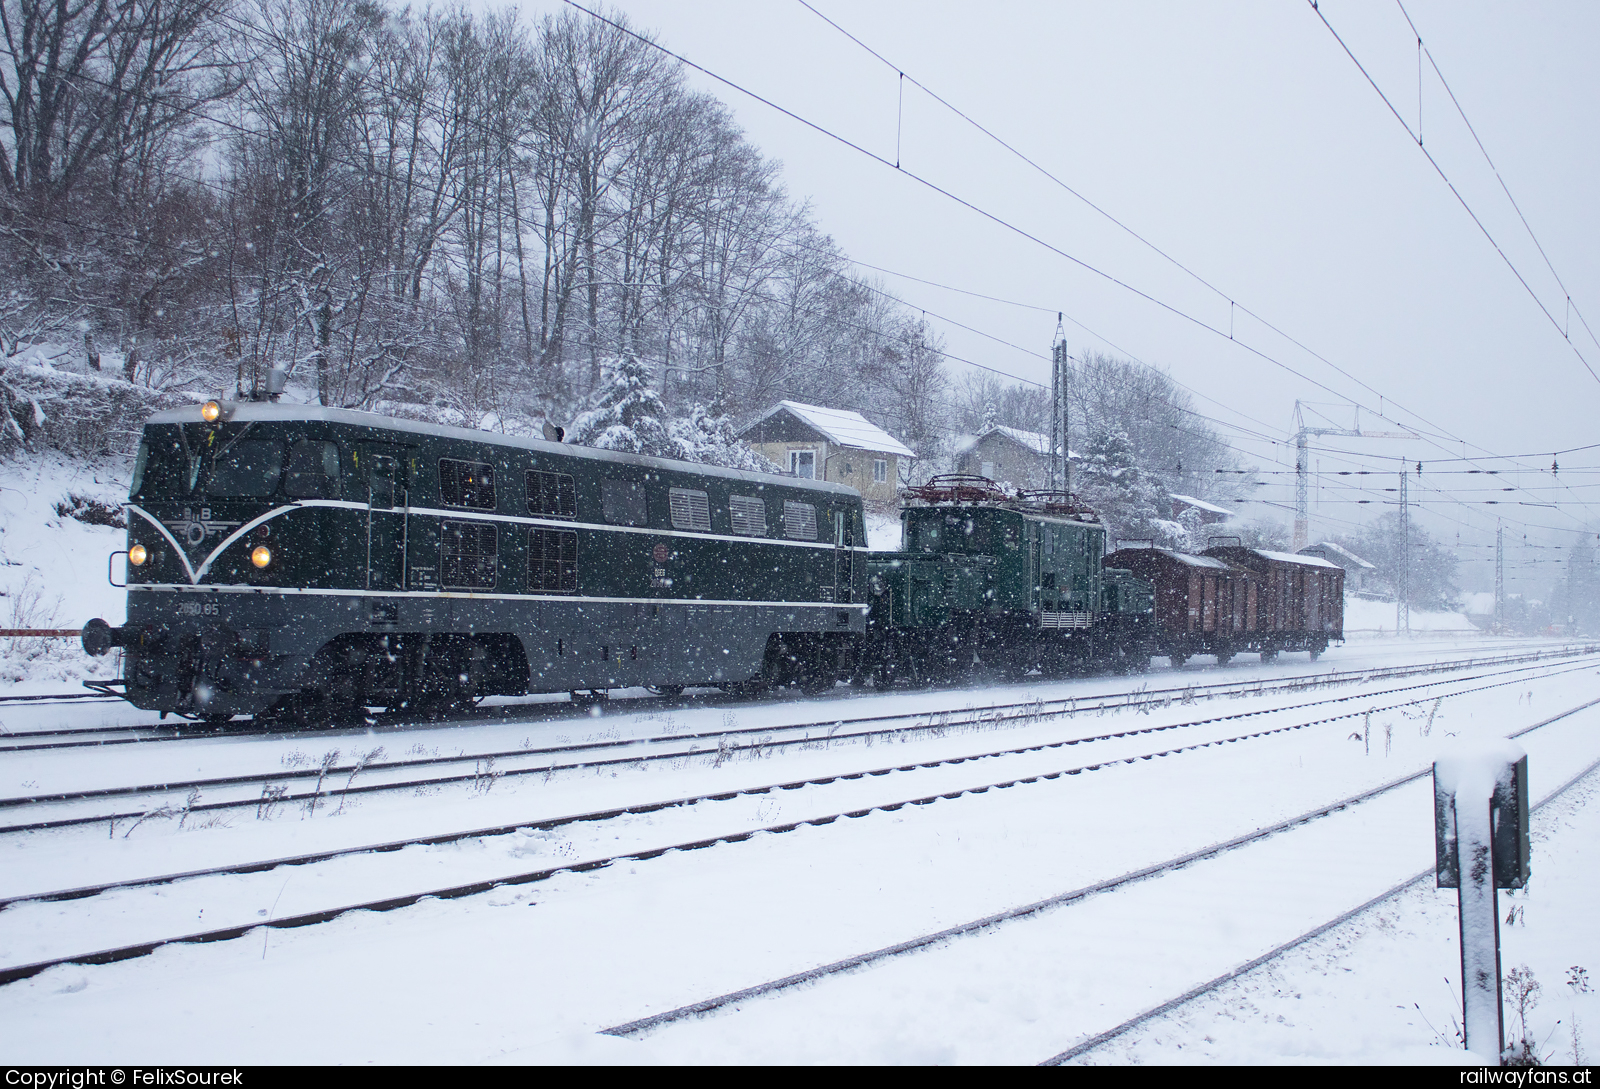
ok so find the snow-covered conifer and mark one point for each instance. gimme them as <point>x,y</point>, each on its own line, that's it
<point>709,438</point>
<point>1130,501</point>
<point>627,415</point>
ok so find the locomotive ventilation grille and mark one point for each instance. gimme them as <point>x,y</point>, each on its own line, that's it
<point>1063,619</point>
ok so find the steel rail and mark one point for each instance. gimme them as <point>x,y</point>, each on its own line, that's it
<point>982,719</point>
<point>127,952</point>
<point>556,822</point>
<point>1293,943</point>
<point>1071,703</point>
<point>645,1025</point>
<point>249,728</point>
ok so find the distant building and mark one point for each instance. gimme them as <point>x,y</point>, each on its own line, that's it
<point>1210,513</point>
<point>831,444</point>
<point>1356,570</point>
<point>1006,455</point>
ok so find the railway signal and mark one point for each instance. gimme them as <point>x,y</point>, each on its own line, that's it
<point>1480,810</point>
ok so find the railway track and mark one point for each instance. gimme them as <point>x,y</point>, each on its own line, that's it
<point>645,1026</point>
<point>130,950</point>
<point>292,787</point>
<point>28,740</point>
<point>1099,1039</point>
<point>81,737</point>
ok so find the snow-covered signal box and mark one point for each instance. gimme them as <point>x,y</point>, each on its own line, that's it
<point>1508,823</point>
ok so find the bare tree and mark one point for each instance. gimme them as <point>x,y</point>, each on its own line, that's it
<point>90,88</point>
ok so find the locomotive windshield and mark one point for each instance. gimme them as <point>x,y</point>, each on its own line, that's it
<point>246,467</point>
<point>174,465</point>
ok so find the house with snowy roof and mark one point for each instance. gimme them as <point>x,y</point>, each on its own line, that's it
<point>1006,455</point>
<point>831,444</point>
<point>1210,513</point>
<point>1356,569</point>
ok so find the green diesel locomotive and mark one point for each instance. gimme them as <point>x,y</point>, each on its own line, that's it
<point>311,562</point>
<point>1007,583</point>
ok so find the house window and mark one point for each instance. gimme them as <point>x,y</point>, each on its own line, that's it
<point>466,484</point>
<point>467,554</point>
<point>799,521</point>
<point>552,494</point>
<point>690,509</point>
<point>748,514</point>
<point>880,470</point>
<point>552,561</point>
<point>803,463</point>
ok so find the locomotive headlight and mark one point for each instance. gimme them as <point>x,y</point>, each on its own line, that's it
<point>137,555</point>
<point>261,555</point>
<point>211,411</point>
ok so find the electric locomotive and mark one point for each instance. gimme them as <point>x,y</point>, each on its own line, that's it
<point>311,562</point>
<point>1005,582</point>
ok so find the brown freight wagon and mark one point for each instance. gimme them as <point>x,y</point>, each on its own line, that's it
<point>1299,599</point>
<point>1231,599</point>
<point>1203,605</point>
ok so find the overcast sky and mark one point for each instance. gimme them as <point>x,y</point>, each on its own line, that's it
<point>1241,140</point>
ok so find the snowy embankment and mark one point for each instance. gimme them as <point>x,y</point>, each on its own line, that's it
<point>1365,619</point>
<point>53,565</point>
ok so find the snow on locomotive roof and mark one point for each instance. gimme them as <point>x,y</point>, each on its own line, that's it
<point>267,412</point>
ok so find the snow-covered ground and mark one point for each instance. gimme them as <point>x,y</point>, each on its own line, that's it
<point>53,568</point>
<point>1364,619</point>
<point>883,531</point>
<point>531,973</point>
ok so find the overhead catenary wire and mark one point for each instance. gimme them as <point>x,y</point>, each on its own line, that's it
<point>1425,51</point>
<point>984,213</point>
<point>278,39</point>
<point>1233,304</point>
<point>1462,200</point>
